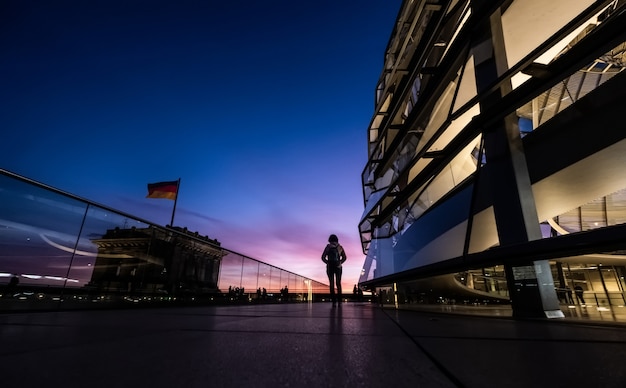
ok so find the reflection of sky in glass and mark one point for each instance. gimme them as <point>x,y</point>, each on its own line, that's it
<point>264,276</point>
<point>40,235</point>
<point>275,280</point>
<point>240,271</point>
<point>36,224</point>
<point>230,271</point>
<point>47,239</point>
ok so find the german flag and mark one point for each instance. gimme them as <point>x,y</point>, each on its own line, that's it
<point>167,190</point>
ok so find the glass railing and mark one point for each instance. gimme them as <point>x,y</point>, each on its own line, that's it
<point>59,251</point>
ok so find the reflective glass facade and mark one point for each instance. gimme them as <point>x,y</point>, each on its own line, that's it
<point>498,124</point>
<point>61,251</point>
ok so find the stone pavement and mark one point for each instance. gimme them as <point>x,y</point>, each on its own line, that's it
<point>303,345</point>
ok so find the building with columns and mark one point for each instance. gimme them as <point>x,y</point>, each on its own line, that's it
<point>152,260</point>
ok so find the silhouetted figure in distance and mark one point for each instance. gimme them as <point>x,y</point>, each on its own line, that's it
<point>579,294</point>
<point>12,286</point>
<point>334,256</point>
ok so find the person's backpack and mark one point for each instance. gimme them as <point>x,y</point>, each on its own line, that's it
<point>333,254</point>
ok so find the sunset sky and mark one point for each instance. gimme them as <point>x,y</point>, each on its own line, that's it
<point>261,108</point>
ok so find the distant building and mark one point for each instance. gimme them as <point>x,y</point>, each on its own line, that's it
<point>156,260</point>
<point>496,155</point>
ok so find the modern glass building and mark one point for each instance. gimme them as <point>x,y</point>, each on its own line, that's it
<point>496,156</point>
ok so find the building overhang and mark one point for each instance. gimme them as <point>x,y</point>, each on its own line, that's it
<point>603,240</point>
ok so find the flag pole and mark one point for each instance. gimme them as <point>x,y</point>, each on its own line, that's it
<point>175,200</point>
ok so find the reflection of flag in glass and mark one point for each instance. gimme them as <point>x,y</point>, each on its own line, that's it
<point>167,190</point>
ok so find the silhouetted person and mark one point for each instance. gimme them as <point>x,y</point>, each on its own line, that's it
<point>579,294</point>
<point>334,255</point>
<point>12,286</point>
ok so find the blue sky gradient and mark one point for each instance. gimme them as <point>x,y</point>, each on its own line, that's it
<point>261,108</point>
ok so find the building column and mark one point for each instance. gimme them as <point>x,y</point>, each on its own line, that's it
<point>531,286</point>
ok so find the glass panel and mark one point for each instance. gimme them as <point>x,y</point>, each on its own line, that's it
<point>439,115</point>
<point>602,212</point>
<point>616,208</point>
<point>570,221</point>
<point>467,88</point>
<point>527,24</point>
<point>381,257</point>
<point>455,127</point>
<point>484,233</point>
<point>418,167</point>
<point>593,215</point>
<point>555,100</point>
<point>461,167</point>
<point>437,235</point>
<point>275,280</point>
<point>59,251</point>
<point>610,280</point>
<point>250,275</point>
<point>264,276</point>
<point>291,284</point>
<point>230,271</point>
<point>413,97</point>
<point>466,13</point>
<point>571,39</point>
<point>39,232</point>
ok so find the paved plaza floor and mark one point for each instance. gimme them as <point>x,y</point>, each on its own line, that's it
<point>305,345</point>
